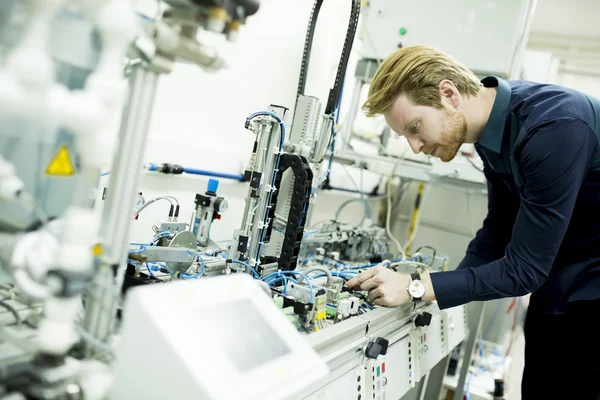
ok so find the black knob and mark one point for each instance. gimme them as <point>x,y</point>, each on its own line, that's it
<point>498,388</point>
<point>377,347</point>
<point>384,343</point>
<point>373,350</point>
<point>423,319</point>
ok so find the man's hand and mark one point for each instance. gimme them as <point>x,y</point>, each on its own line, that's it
<point>386,287</point>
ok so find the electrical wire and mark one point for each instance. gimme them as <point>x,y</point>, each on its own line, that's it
<point>140,250</point>
<point>388,220</point>
<point>149,270</point>
<point>90,339</point>
<point>309,233</point>
<point>4,304</point>
<point>368,213</point>
<point>150,202</point>
<point>194,253</point>
<point>367,209</point>
<point>160,235</point>
<point>306,279</point>
<point>415,263</point>
<point>256,275</point>
<point>430,248</point>
<point>174,199</point>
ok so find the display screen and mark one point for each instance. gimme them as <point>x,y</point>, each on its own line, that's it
<point>243,334</point>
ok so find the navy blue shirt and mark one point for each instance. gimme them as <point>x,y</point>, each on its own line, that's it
<point>542,232</point>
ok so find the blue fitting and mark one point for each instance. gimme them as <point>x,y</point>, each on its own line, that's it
<point>213,185</point>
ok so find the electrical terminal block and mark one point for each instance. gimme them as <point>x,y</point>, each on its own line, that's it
<point>320,310</point>
<point>334,290</point>
<point>354,304</point>
<point>343,308</point>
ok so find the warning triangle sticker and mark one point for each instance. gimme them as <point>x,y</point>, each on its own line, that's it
<point>61,164</point>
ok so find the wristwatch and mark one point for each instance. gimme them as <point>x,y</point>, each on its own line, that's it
<point>416,288</point>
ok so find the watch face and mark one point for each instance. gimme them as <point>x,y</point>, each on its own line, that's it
<point>416,289</point>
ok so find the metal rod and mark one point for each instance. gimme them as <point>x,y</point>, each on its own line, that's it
<point>269,163</point>
<point>262,142</point>
<point>116,219</point>
<point>424,387</point>
<point>468,354</point>
<point>346,132</point>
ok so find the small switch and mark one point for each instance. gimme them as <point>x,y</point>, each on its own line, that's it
<point>384,343</point>
<point>423,319</point>
<point>373,350</point>
<point>383,368</point>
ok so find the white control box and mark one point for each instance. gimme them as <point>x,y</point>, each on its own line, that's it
<point>212,339</point>
<point>487,36</point>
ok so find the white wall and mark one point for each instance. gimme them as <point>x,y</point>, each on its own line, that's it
<point>584,83</point>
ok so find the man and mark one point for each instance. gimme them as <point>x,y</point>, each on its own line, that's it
<point>539,147</point>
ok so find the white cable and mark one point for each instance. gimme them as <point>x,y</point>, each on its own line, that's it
<point>389,205</point>
<point>90,339</point>
<point>389,217</point>
<point>416,263</point>
<point>360,192</point>
<point>142,208</point>
<point>174,199</point>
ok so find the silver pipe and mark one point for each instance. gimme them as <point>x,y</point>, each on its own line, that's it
<point>346,132</point>
<point>269,163</point>
<point>259,156</point>
<point>116,218</point>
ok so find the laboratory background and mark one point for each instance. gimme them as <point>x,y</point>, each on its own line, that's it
<point>186,186</point>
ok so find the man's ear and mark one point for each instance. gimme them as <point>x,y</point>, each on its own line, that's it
<point>449,93</point>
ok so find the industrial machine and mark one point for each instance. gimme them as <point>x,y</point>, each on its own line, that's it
<point>266,317</point>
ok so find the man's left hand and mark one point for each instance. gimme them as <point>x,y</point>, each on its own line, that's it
<point>386,287</point>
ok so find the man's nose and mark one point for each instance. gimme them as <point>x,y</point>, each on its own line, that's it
<point>415,144</point>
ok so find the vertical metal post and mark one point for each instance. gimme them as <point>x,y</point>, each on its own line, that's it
<point>119,206</point>
<point>468,352</point>
<point>432,389</point>
<point>270,165</point>
<point>346,132</point>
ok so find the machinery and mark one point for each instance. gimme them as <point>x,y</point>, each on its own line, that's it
<point>267,317</point>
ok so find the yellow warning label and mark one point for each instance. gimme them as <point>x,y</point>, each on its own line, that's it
<point>97,250</point>
<point>61,164</point>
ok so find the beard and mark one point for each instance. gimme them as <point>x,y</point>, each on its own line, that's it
<point>453,135</point>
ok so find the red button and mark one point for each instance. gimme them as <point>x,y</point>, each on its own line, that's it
<point>425,337</point>
<point>382,368</point>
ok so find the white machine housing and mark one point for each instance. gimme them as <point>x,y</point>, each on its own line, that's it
<point>227,323</point>
<point>471,31</point>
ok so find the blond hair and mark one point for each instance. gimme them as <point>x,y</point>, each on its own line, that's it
<point>417,71</point>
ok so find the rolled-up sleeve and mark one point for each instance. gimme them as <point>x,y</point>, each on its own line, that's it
<point>554,162</point>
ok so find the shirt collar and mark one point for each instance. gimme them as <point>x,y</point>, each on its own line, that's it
<point>491,138</point>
